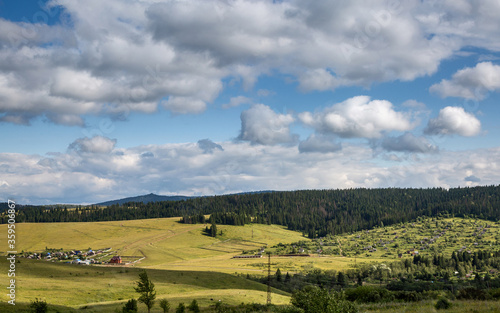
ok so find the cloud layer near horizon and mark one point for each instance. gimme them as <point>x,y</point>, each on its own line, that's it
<point>95,173</point>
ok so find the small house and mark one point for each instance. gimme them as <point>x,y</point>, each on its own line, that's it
<point>116,259</point>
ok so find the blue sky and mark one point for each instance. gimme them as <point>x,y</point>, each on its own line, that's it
<point>122,98</point>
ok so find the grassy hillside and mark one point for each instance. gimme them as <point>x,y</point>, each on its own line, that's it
<point>161,241</point>
<point>185,264</point>
<point>104,288</point>
<point>165,243</point>
<point>425,236</point>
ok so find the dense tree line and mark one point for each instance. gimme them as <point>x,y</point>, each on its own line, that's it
<point>314,212</point>
<point>193,219</point>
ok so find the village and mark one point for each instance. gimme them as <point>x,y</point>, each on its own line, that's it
<point>82,257</point>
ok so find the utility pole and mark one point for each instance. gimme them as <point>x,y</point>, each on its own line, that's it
<point>268,278</point>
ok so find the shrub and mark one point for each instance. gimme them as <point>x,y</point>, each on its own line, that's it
<point>408,296</point>
<point>193,307</point>
<point>495,293</point>
<point>287,309</point>
<point>314,299</point>
<point>39,306</point>
<point>472,293</point>
<point>367,294</point>
<point>181,308</point>
<point>221,308</point>
<point>442,304</point>
<point>130,306</point>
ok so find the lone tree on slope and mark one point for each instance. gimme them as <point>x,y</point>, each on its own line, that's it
<point>146,288</point>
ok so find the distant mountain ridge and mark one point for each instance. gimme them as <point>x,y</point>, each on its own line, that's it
<point>144,199</point>
<point>158,198</point>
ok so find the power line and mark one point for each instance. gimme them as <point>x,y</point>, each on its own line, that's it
<point>269,279</point>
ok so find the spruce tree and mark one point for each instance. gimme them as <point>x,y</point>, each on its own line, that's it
<point>165,305</point>
<point>278,275</point>
<point>193,307</point>
<point>147,290</point>
<point>213,230</point>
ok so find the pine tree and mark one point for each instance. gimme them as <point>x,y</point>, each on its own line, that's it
<point>130,306</point>
<point>278,275</point>
<point>213,230</point>
<point>194,306</point>
<point>341,279</point>
<point>181,308</point>
<point>165,305</point>
<point>147,290</point>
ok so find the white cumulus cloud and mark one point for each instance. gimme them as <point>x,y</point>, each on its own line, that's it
<point>470,82</point>
<point>261,125</point>
<point>454,120</point>
<point>357,117</point>
<point>96,144</point>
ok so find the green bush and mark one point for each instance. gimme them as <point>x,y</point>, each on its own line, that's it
<point>369,294</point>
<point>181,308</point>
<point>193,307</point>
<point>472,293</point>
<point>495,293</point>
<point>313,299</point>
<point>130,306</point>
<point>442,304</point>
<point>408,296</point>
<point>39,306</point>
<point>287,309</point>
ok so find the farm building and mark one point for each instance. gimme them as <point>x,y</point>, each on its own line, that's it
<point>116,259</point>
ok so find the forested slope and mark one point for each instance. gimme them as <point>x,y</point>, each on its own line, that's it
<point>314,212</point>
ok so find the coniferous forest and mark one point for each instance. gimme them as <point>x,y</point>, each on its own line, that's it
<point>316,213</point>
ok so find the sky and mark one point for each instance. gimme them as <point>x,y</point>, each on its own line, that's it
<point>119,98</point>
